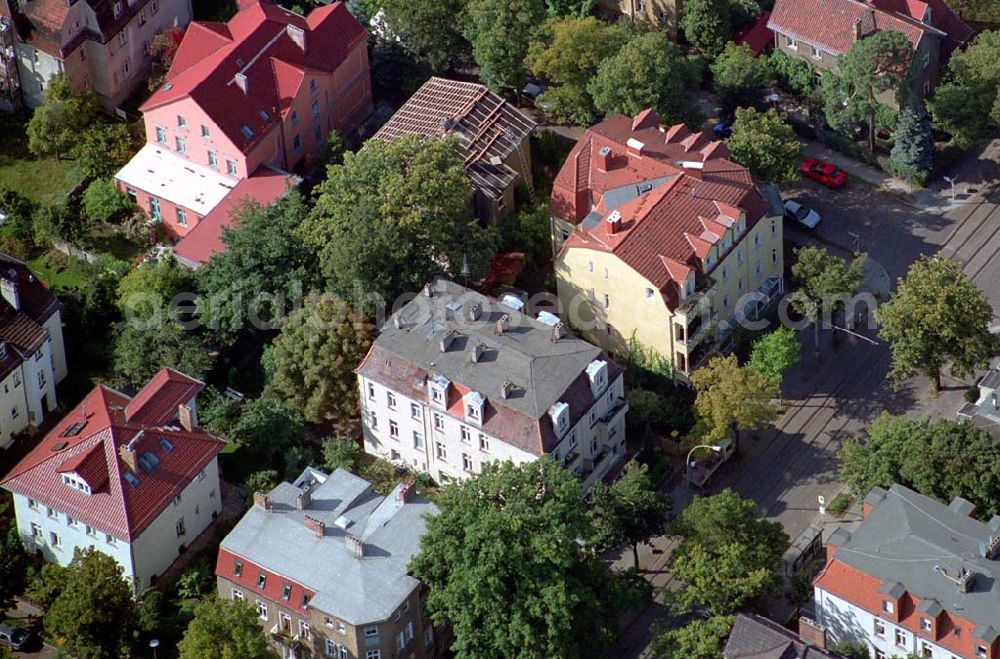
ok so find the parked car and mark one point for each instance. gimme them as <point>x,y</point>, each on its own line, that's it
<point>823,172</point>
<point>12,636</point>
<point>723,128</point>
<point>534,92</point>
<point>796,211</point>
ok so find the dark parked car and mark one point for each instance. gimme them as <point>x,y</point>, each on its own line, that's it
<point>723,128</point>
<point>12,636</point>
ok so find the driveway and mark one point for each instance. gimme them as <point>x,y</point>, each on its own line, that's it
<point>833,394</point>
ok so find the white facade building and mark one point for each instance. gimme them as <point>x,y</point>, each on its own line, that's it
<point>134,478</point>
<point>456,379</point>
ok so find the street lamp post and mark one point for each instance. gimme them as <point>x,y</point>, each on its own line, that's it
<point>154,643</point>
<point>687,463</point>
<point>952,181</point>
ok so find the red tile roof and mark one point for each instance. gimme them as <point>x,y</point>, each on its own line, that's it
<point>830,23</point>
<point>256,43</point>
<point>264,186</point>
<point>756,35</point>
<point>105,421</point>
<point>45,25</point>
<point>580,184</point>
<point>249,577</point>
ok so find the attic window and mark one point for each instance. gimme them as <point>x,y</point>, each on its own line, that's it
<point>60,446</point>
<point>132,479</point>
<point>76,483</point>
<point>305,600</point>
<point>261,580</point>
<point>247,132</point>
<point>73,430</point>
<point>148,462</point>
<point>166,445</point>
<point>240,62</point>
<point>264,115</point>
<point>237,568</point>
<point>286,591</point>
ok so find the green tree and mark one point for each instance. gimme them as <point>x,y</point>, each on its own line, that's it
<point>912,154</point>
<point>162,49</point>
<point>727,557</point>
<point>824,283</point>
<point>937,315</point>
<point>16,234</point>
<point>147,290</point>
<point>500,33</point>
<point>94,611</point>
<point>310,365</point>
<point>967,105</point>
<point>939,458</point>
<point>13,567</point>
<point>872,66</point>
<point>702,638</point>
<point>57,125</point>
<point>104,202</point>
<point>707,24</point>
<point>428,29</point>
<point>104,148</point>
<point>739,77</point>
<point>731,398</point>
<point>57,222</point>
<point>341,453</point>
<point>267,428</point>
<point>217,411</point>
<point>774,353</point>
<point>225,629</point>
<point>142,349</point>
<point>47,584</point>
<point>504,567</point>
<point>568,52</point>
<point>792,74</point>
<point>647,72</point>
<point>263,273</point>
<point>629,511</point>
<point>646,413</point>
<point>260,481</point>
<point>393,216</point>
<point>196,581</point>
<point>766,144</point>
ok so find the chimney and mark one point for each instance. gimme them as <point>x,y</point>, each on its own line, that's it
<point>506,388</point>
<point>397,321</point>
<point>241,81</point>
<point>405,492</point>
<point>314,525</point>
<point>428,290</point>
<point>298,35</point>
<point>857,29</point>
<point>355,545</point>
<point>812,632</point>
<point>127,454</point>
<point>604,158</point>
<point>447,339</point>
<point>303,499</point>
<point>11,292</point>
<point>261,500</point>
<point>188,417</point>
<point>477,352</point>
<point>994,401</point>
<point>475,311</point>
<point>614,222</point>
<point>503,324</point>
<point>634,147</point>
<point>557,331</point>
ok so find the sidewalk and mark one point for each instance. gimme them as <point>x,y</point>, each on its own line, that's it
<point>935,197</point>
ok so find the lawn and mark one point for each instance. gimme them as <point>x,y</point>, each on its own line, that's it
<point>57,270</point>
<point>45,180</point>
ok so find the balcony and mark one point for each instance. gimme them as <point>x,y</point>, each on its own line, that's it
<point>699,327</point>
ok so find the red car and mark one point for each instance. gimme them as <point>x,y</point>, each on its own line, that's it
<point>823,172</point>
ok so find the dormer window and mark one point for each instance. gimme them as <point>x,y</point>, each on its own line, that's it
<point>261,579</point>
<point>437,388</point>
<point>74,481</point>
<point>597,373</point>
<point>474,404</point>
<point>559,413</point>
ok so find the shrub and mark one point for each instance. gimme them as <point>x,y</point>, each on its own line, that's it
<point>103,201</point>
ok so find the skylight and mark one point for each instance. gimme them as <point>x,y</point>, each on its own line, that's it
<point>166,445</point>
<point>247,131</point>
<point>148,462</point>
<point>73,430</point>
<point>264,115</point>
<point>132,479</point>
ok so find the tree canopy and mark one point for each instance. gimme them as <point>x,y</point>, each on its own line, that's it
<point>937,315</point>
<point>774,353</point>
<point>310,365</point>
<point>739,77</point>
<point>225,629</point>
<point>268,428</point>
<point>147,290</point>
<point>941,459</point>
<point>104,148</point>
<point>93,609</point>
<point>13,566</point>
<point>766,144</point>
<point>912,155</point>
<point>731,398</point>
<point>104,202</point>
<point>629,511</point>
<point>428,29</point>
<point>967,104</point>
<point>264,272</point>
<point>707,24</point>
<point>702,638</point>
<point>504,567</point>
<point>649,71</point>
<point>64,116</point>
<point>500,33</point>
<point>393,216</point>
<point>824,282</point>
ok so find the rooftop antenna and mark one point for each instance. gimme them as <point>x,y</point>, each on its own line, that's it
<point>465,270</point>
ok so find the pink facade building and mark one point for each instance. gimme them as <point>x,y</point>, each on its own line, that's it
<point>242,101</point>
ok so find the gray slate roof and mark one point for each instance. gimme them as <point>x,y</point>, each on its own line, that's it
<point>908,538</point>
<point>756,637</point>
<point>359,591</point>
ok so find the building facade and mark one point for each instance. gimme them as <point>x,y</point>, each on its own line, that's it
<point>664,14</point>
<point>456,379</point>
<point>100,45</point>
<point>32,353</point>
<point>243,99</point>
<point>357,601</point>
<point>132,477</point>
<point>662,241</point>
<point>493,138</point>
<point>917,577</point>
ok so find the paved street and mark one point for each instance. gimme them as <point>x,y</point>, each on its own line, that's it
<point>835,394</point>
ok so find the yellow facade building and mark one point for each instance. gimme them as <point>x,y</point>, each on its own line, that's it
<point>662,239</point>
